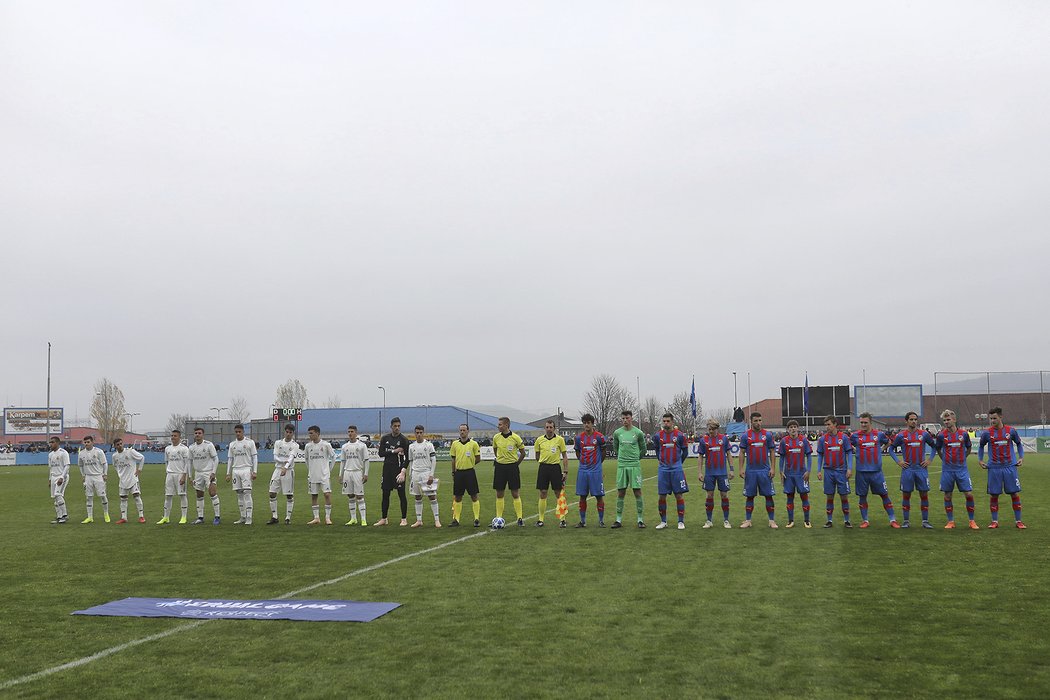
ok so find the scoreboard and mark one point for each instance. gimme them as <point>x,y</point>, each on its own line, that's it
<point>822,401</point>
<point>283,414</point>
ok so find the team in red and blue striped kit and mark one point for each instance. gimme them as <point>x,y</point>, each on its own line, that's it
<point>867,448</point>
<point>912,444</point>
<point>590,446</point>
<point>954,446</point>
<point>671,451</point>
<point>835,467</point>
<point>1002,441</point>
<point>715,470</point>
<point>756,464</point>
<point>796,461</point>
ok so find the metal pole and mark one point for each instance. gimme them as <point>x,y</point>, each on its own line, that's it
<point>1042,409</point>
<point>988,380</point>
<point>47,416</point>
<point>864,382</point>
<point>383,389</point>
<point>749,407</point>
<point>736,402</point>
<point>936,406</point>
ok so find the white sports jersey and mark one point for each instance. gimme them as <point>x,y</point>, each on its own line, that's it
<point>242,455</point>
<point>204,457</point>
<point>92,462</point>
<point>58,461</point>
<point>355,457</point>
<point>422,457</point>
<point>284,452</point>
<point>127,462</point>
<point>319,458</point>
<point>177,459</point>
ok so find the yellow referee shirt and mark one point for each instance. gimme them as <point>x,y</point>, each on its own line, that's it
<point>550,450</point>
<point>507,448</point>
<point>464,454</point>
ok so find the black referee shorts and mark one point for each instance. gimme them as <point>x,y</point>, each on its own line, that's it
<point>549,477</point>
<point>506,476</point>
<point>465,481</point>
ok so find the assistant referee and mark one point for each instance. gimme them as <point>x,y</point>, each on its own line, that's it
<point>550,451</point>
<point>465,455</point>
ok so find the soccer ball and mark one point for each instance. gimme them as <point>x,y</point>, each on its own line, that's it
<point>498,523</point>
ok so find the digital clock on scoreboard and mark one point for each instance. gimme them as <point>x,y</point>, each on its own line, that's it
<point>280,414</point>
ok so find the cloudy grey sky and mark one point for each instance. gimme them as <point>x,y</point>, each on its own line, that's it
<point>490,202</point>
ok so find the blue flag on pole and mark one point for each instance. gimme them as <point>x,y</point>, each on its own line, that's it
<point>805,397</point>
<point>692,398</point>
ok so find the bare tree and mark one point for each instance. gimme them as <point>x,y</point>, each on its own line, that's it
<point>292,394</point>
<point>332,402</point>
<point>649,414</point>
<point>107,409</point>
<point>683,412</point>
<point>178,421</point>
<point>239,409</point>
<point>604,400</point>
<point>723,415</point>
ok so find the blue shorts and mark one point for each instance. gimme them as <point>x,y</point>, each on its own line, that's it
<point>671,480</point>
<point>793,482</point>
<point>589,482</point>
<point>711,481</point>
<point>1003,480</point>
<point>956,477</point>
<point>873,481</point>
<point>757,482</point>
<point>915,479</point>
<point>835,480</point>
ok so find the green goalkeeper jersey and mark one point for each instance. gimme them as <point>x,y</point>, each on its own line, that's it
<point>629,445</point>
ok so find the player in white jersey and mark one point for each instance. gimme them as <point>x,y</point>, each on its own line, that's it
<point>205,461</point>
<point>128,465</point>
<point>95,469</point>
<point>319,458</point>
<point>57,478</point>
<point>354,475</point>
<point>177,474</point>
<point>422,461</point>
<point>242,467</point>
<point>283,479</point>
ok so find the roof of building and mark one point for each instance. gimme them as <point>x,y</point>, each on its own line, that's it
<point>375,419</point>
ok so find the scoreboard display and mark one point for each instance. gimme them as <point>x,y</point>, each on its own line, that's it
<point>285,414</point>
<point>823,401</point>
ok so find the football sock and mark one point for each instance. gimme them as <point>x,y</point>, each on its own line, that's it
<point>791,507</point>
<point>500,505</point>
<point>805,507</point>
<point>273,508</point>
<point>888,505</point>
<point>288,508</point>
<point>59,505</point>
<point>184,504</point>
<point>639,507</point>
<point>138,504</point>
<point>709,506</point>
<point>360,508</point>
<point>316,510</point>
<point>949,509</point>
<point>435,509</point>
<point>924,505</point>
<point>123,507</point>
<point>845,506</point>
<point>457,509</point>
<point>215,505</point>
<point>681,508</point>
<point>906,505</point>
<point>476,507</point>
<point>90,506</point>
<point>619,508</point>
<point>1015,499</point>
<point>404,503</point>
<point>583,509</point>
<point>830,507</point>
<point>725,507</point>
<point>969,505</point>
<point>661,504</point>
<point>327,511</point>
<point>386,503</point>
<point>771,507</point>
<point>167,506</point>
<point>601,511</point>
<point>993,505</point>
<point>419,511</point>
<point>519,510</point>
<point>749,507</point>
<point>542,508</point>
<point>105,504</point>
<point>200,507</point>
<point>863,507</point>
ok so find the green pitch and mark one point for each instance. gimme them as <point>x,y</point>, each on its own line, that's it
<point>534,612</point>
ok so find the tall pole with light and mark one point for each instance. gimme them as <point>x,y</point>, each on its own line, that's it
<point>383,389</point>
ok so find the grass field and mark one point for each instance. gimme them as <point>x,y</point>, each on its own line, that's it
<point>534,612</point>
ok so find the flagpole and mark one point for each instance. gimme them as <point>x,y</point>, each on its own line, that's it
<point>47,415</point>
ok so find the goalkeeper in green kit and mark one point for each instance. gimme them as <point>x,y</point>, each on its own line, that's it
<point>630,444</point>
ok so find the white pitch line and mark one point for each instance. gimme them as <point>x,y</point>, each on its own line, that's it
<point>197,623</point>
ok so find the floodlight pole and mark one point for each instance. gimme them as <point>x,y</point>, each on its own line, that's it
<point>383,389</point>
<point>47,416</point>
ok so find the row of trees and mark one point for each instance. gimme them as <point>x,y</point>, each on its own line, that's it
<point>607,398</point>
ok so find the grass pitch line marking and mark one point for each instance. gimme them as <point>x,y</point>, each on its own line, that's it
<point>197,623</point>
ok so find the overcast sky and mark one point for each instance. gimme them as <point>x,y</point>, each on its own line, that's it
<point>490,202</point>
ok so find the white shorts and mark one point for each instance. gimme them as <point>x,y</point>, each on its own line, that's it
<point>418,486</point>
<point>202,481</point>
<point>283,484</point>
<point>172,487</point>
<point>317,487</point>
<point>242,479</point>
<point>132,490</point>
<point>353,483</point>
<point>94,486</point>
<point>58,489</point>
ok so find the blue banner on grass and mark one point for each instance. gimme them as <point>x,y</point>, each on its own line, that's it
<point>203,609</point>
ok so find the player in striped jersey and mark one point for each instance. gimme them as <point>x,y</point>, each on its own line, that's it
<point>57,478</point>
<point>590,446</point>
<point>128,464</point>
<point>867,450</point>
<point>835,467</point>
<point>756,467</point>
<point>796,462</point>
<point>176,474</point>
<point>954,446</point>
<point>1002,466</point>
<point>94,467</point>
<point>319,459</point>
<point>671,451</point>
<point>283,478</point>
<point>205,461</point>
<point>914,463</point>
<point>242,468</point>
<point>716,470</point>
<point>354,475</point>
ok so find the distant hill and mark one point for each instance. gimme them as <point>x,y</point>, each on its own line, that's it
<point>515,414</point>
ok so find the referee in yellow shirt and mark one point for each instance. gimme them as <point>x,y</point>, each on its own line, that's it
<point>550,451</point>
<point>465,455</point>
<point>510,451</point>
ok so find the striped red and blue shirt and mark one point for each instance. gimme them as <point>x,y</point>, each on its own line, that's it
<point>833,450</point>
<point>757,445</point>
<point>716,453</point>
<point>912,444</point>
<point>1001,442</point>
<point>589,449</point>
<point>867,446</point>
<point>954,446</point>
<point>796,454</point>
<point>670,447</point>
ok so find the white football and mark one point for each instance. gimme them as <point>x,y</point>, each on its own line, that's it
<point>498,523</point>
